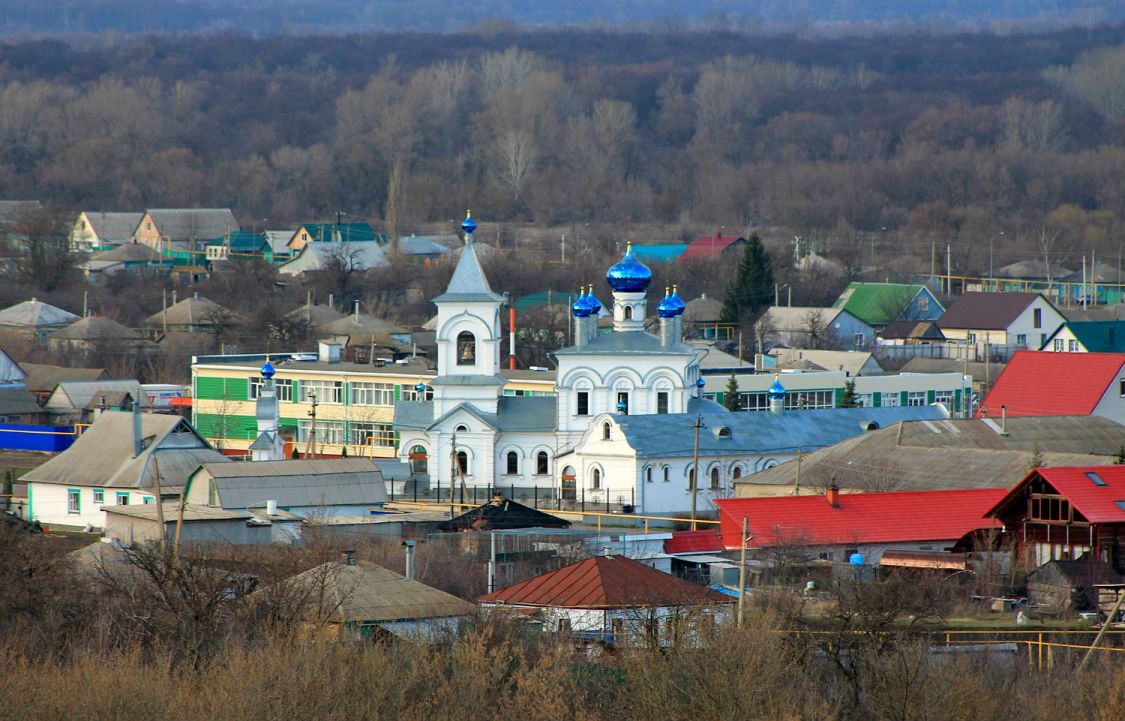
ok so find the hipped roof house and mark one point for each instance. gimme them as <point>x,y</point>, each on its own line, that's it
<point>503,514</point>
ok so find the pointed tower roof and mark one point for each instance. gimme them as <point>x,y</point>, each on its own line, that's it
<point>468,283</point>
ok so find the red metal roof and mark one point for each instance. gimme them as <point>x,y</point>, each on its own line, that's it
<point>1037,383</point>
<point>860,518</point>
<point>604,582</point>
<point>706,246</point>
<point>705,541</point>
<point>1098,503</point>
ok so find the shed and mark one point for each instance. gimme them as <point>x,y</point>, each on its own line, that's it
<point>1069,585</point>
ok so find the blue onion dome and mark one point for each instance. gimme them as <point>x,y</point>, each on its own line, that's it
<point>676,301</point>
<point>581,307</point>
<point>776,391</point>
<point>267,370</point>
<point>592,301</point>
<point>468,225</point>
<point>629,275</point>
<point>666,309</point>
<point>420,387</point>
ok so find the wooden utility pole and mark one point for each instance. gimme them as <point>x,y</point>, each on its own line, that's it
<point>159,508</point>
<point>695,468</point>
<point>742,570</point>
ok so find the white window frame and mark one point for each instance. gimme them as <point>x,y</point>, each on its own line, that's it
<point>99,497</point>
<point>284,387</point>
<point>894,398</point>
<point>945,397</point>
<point>367,433</point>
<point>327,432</point>
<point>1059,345</point>
<point>372,394</point>
<point>327,392</point>
<point>915,399</point>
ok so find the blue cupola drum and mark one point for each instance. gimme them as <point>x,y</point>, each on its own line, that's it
<point>676,301</point>
<point>581,307</point>
<point>267,370</point>
<point>667,307</point>
<point>468,225</point>
<point>593,302</point>
<point>629,275</point>
<point>776,391</point>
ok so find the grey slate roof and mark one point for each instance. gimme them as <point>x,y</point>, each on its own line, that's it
<point>363,325</point>
<point>193,223</point>
<point>318,316</point>
<point>394,470</point>
<point>468,283</point>
<point>102,457</point>
<point>97,328</point>
<point>297,483</point>
<point>193,310</point>
<point>78,394</point>
<point>366,593</point>
<point>17,402</point>
<point>514,413</point>
<point>42,378</point>
<point>660,436</point>
<point>316,255</point>
<point>953,453</point>
<point>113,227</point>
<point>423,245</point>
<point>128,253</point>
<point>629,342</point>
<point>35,313</point>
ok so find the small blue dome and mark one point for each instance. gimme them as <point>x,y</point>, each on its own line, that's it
<point>593,302</point>
<point>629,275</point>
<point>667,308</point>
<point>581,307</point>
<point>776,391</point>
<point>468,225</point>
<point>420,388</point>
<point>267,370</point>
<point>677,302</point>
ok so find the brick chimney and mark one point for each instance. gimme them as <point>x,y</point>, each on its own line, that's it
<point>832,495</point>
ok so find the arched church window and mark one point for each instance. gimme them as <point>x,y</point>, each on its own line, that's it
<point>466,349</point>
<point>737,473</point>
<point>542,463</point>
<point>605,431</point>
<point>462,463</point>
<point>513,463</point>
<point>596,479</point>
<point>628,312</point>
<point>715,478</point>
<point>667,474</point>
<point>462,429</point>
<point>419,463</point>
<point>648,475</point>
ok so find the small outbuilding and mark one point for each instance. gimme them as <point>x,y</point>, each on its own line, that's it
<point>1069,585</point>
<point>502,514</point>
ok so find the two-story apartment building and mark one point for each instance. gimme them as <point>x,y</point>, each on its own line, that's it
<point>1014,320</point>
<point>354,401</point>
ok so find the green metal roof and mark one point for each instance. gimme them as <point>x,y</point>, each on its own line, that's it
<point>242,242</point>
<point>877,304</point>
<point>1099,336</point>
<point>353,232</point>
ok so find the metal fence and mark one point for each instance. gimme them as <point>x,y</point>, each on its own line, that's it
<point>972,352</point>
<point>541,497</point>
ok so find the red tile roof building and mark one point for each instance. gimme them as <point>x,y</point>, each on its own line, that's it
<point>603,582</point>
<point>914,520</point>
<point>710,246</point>
<point>1035,383</point>
<point>705,541</point>
<point>1067,512</point>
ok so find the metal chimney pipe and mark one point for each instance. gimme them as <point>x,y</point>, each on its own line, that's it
<point>409,559</point>
<point>136,428</point>
<point>1004,419</point>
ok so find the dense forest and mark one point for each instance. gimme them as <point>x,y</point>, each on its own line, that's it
<point>345,16</point>
<point>913,137</point>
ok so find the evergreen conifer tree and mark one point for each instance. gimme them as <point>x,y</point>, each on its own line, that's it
<point>849,399</point>
<point>731,400</point>
<point>752,289</point>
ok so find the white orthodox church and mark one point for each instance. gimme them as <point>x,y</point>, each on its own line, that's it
<point>621,428</point>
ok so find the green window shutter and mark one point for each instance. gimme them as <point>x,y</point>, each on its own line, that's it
<point>398,392</point>
<point>904,398</point>
<point>877,399</point>
<point>931,397</point>
<point>839,398</point>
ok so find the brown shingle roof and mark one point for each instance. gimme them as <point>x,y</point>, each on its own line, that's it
<point>986,311</point>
